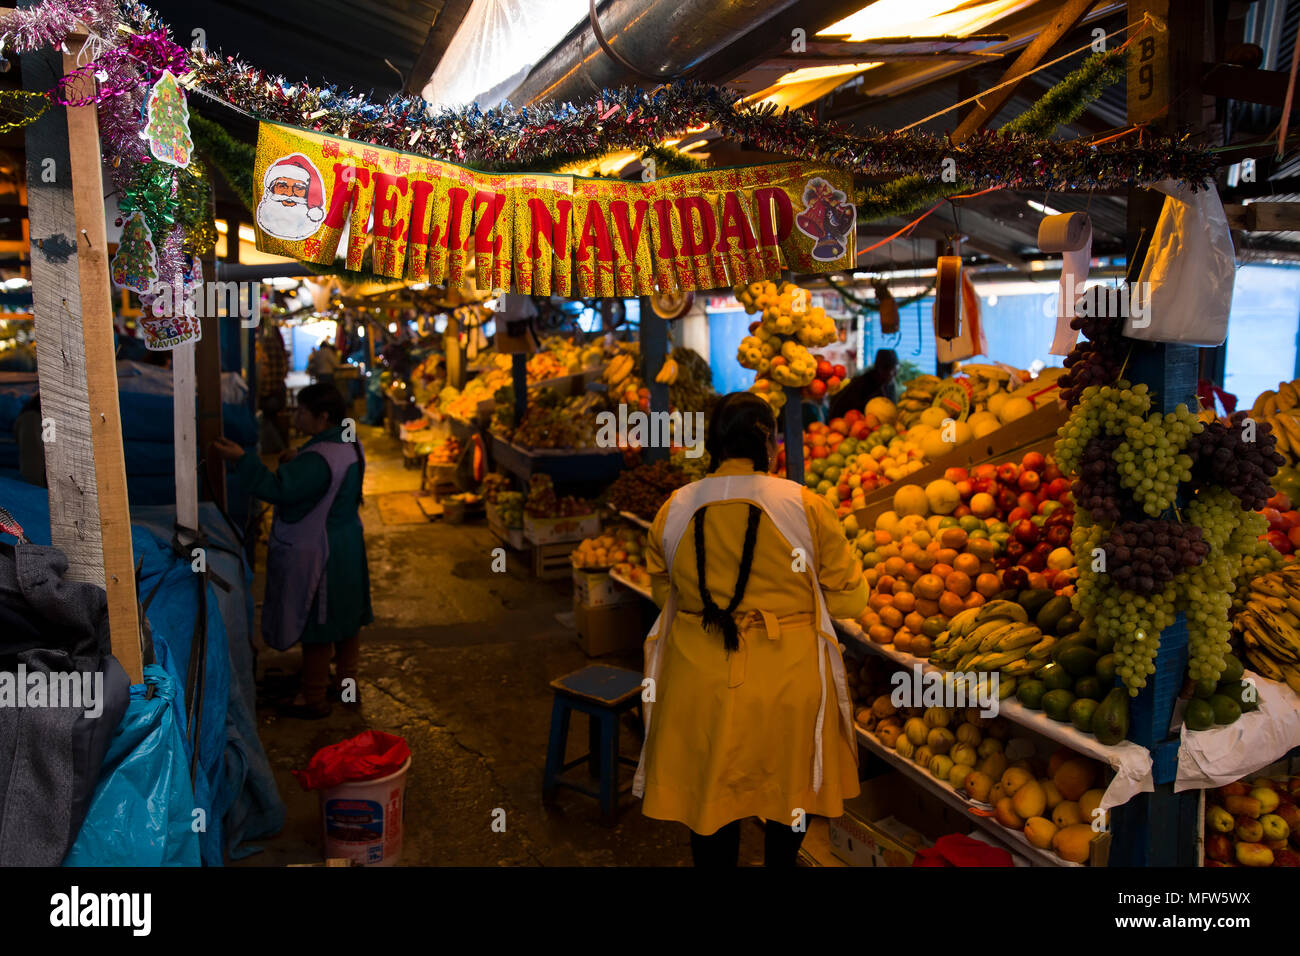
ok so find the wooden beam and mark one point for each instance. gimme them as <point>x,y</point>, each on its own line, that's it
<point>85,467</point>
<point>1264,216</point>
<point>1066,19</point>
<point>1267,87</point>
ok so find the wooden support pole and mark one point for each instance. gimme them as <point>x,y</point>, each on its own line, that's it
<point>654,349</point>
<point>90,519</point>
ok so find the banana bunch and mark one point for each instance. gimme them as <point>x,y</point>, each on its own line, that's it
<point>918,395</point>
<point>1270,625</point>
<point>1038,392</point>
<point>620,367</point>
<point>996,636</point>
<point>1281,409</point>
<point>668,372</point>
<point>987,379</point>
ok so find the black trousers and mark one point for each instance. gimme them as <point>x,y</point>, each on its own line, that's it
<point>722,849</point>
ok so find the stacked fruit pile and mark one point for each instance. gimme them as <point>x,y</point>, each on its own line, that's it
<point>829,380</point>
<point>553,421</point>
<point>542,501</point>
<point>985,396</point>
<point>1283,525</point>
<point>691,390</point>
<point>1253,824</point>
<point>612,547</point>
<point>643,490</point>
<point>1280,408</point>
<point>777,348</point>
<point>622,381</point>
<point>1270,625</point>
<point>849,457</point>
<point>509,506</point>
<point>1052,804</point>
<point>442,451</point>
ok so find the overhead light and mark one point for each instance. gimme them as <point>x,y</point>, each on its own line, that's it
<point>919,18</point>
<point>392,327</point>
<point>1037,265</point>
<point>361,331</point>
<point>1045,210</point>
<point>809,73</point>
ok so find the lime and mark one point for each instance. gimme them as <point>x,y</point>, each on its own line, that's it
<point>1199,715</point>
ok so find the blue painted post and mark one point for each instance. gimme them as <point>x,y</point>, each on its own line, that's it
<point>792,414</point>
<point>654,349</point>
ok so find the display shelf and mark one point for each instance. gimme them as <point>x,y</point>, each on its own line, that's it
<point>1132,763</point>
<point>1222,754</point>
<point>627,583</point>
<point>1012,839</point>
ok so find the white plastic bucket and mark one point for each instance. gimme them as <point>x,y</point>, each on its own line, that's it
<point>362,819</point>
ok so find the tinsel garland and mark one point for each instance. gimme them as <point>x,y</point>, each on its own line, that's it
<point>670,162</point>
<point>19,108</point>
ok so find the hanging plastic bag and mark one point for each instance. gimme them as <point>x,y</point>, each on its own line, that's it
<point>142,813</point>
<point>367,756</point>
<point>1184,291</point>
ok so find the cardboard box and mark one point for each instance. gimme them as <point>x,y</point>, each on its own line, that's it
<point>889,821</point>
<point>556,530</point>
<point>619,628</point>
<point>598,589</point>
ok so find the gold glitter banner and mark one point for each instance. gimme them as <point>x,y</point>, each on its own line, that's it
<point>545,234</point>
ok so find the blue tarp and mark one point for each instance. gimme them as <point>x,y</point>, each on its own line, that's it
<point>234,783</point>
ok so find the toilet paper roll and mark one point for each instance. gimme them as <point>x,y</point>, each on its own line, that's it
<point>1066,232</point>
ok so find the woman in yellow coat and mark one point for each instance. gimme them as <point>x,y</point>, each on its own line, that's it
<point>750,713</point>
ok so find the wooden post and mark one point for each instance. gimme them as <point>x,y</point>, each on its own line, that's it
<point>89,516</point>
<point>654,349</point>
<point>185,435</point>
<point>207,359</point>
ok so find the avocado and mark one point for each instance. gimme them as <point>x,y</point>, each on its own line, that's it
<point>1050,613</point>
<point>1244,694</point>
<point>1055,677</point>
<point>1074,639</point>
<point>1232,668</point>
<point>1105,643</point>
<point>1030,693</point>
<point>934,626</point>
<point>1090,687</point>
<point>1106,671</point>
<point>1010,594</point>
<point>1199,715</point>
<point>1205,688</point>
<point>1081,714</point>
<point>1034,600</point>
<point>1056,704</point>
<point>1078,660</point>
<point>1110,721</point>
<point>1070,621</point>
<point>1226,710</point>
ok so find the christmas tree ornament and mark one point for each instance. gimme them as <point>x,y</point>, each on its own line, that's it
<point>168,128</point>
<point>135,266</point>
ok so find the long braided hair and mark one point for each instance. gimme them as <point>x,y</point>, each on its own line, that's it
<point>741,426</point>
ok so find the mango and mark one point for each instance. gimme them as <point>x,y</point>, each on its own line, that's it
<point>957,776</point>
<point>1267,797</point>
<point>1067,814</point>
<point>1006,815</point>
<point>1254,854</point>
<point>916,730</point>
<point>1053,795</point>
<point>1029,800</point>
<point>1243,806</point>
<point>940,740</point>
<point>995,765</point>
<point>1039,831</point>
<point>1072,843</point>
<point>964,753</point>
<point>996,794</point>
<point>1089,802</point>
<point>968,733</point>
<point>1013,779</point>
<point>978,785</point>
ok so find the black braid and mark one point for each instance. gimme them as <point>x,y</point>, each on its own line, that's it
<point>715,618</point>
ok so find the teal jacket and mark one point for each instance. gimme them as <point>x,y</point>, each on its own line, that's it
<point>294,489</point>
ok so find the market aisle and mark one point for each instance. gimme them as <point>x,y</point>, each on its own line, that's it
<point>458,662</point>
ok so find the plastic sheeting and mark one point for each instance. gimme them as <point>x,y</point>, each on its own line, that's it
<point>142,812</point>
<point>1220,755</point>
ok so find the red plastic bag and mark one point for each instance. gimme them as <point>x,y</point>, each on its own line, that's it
<point>367,756</point>
<point>957,850</point>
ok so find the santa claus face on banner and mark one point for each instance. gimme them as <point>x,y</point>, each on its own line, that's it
<point>293,198</point>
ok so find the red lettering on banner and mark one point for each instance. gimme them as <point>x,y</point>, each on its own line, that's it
<point>735,224</point>
<point>595,232</point>
<point>455,209</point>
<point>663,212</point>
<point>486,222</point>
<point>629,233</point>
<point>764,200</point>
<point>421,190</point>
<point>691,245</point>
<point>387,189</point>
<point>555,229</point>
<point>343,193</point>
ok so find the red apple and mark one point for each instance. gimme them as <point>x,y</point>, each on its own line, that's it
<point>1050,472</point>
<point>966,490</point>
<point>1047,507</point>
<point>853,415</point>
<point>824,369</point>
<point>860,429</point>
<point>1057,536</point>
<point>1006,499</point>
<point>1026,532</point>
<point>1058,488</point>
<point>816,388</point>
<point>1017,515</point>
<point>1016,578</point>
<point>838,425</point>
<point>956,474</point>
<point>840,371</point>
<point>1033,562</point>
<point>984,471</point>
<point>1286,858</point>
<point>833,382</point>
<point>1015,549</point>
<point>961,511</point>
<point>1279,541</point>
<point>1028,480</point>
<point>1274,518</point>
<point>821,451</point>
<point>1034,461</point>
<point>1008,473</point>
<point>1028,500</point>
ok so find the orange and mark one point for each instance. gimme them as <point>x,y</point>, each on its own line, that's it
<point>959,583</point>
<point>913,621</point>
<point>947,555</point>
<point>891,616</point>
<point>949,604</point>
<point>928,587</point>
<point>869,619</point>
<point>880,634</point>
<point>987,567</point>
<point>909,551</point>
<point>924,560</point>
<point>905,602</point>
<point>926,607</point>
<point>911,572</point>
<point>902,586</point>
<point>1037,580</point>
<point>967,564</point>
<point>903,641</point>
<point>975,599</point>
<point>895,566</point>
<point>954,538</point>
<point>883,537</point>
<point>941,570</point>
<point>879,601</point>
<point>988,584</point>
<point>921,646</point>
<point>886,584</point>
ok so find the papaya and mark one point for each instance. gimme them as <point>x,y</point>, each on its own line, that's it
<point>1079,661</point>
<point>1110,720</point>
<point>1226,710</point>
<point>1051,612</point>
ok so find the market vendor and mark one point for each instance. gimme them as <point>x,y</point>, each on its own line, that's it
<point>751,714</point>
<point>317,579</point>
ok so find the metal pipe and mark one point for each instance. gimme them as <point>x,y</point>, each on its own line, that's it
<point>662,37</point>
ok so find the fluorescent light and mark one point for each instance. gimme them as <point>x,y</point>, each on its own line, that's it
<point>1045,210</point>
<point>809,73</point>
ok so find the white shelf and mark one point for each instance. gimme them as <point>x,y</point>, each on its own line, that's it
<point>627,583</point>
<point>1131,762</point>
<point>1013,839</point>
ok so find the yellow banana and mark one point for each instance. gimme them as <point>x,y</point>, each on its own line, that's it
<point>992,639</point>
<point>1260,408</point>
<point>1023,636</point>
<point>1002,609</point>
<point>1265,665</point>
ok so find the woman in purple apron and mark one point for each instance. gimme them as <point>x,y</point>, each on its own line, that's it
<point>317,579</point>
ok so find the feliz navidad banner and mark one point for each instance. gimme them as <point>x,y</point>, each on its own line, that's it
<point>545,234</point>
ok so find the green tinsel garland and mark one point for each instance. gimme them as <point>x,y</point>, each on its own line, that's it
<point>671,162</point>
<point>1063,103</point>
<point>234,159</point>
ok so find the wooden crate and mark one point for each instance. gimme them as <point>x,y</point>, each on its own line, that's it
<point>551,561</point>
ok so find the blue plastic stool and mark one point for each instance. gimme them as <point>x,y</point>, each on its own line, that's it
<point>603,693</point>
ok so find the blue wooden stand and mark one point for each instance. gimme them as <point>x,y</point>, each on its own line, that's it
<point>792,414</point>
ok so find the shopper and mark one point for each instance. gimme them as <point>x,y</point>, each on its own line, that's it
<point>323,363</point>
<point>317,578</point>
<point>751,714</point>
<point>875,382</point>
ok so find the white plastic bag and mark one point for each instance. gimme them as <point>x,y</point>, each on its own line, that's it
<point>1185,287</point>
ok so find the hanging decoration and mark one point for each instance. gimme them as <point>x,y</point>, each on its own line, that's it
<point>168,130</point>
<point>171,312</point>
<point>135,265</point>
<point>19,108</point>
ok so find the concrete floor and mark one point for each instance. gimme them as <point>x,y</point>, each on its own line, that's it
<point>458,663</point>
